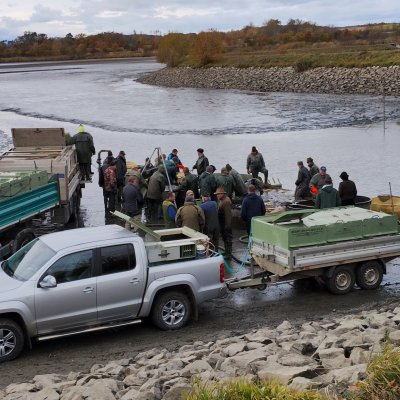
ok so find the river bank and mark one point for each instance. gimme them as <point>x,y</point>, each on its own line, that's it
<point>325,353</point>
<point>365,81</point>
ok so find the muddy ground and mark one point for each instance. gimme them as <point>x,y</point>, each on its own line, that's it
<point>240,312</point>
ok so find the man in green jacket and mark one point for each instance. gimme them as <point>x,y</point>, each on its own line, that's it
<point>226,182</point>
<point>83,142</point>
<point>169,211</point>
<point>328,196</point>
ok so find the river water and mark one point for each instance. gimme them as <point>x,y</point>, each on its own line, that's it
<point>343,132</point>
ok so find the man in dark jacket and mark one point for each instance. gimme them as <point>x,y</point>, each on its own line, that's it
<point>252,206</point>
<point>190,182</point>
<point>347,190</point>
<point>207,181</point>
<point>238,183</point>
<point>211,229</point>
<point>255,164</point>
<point>225,181</point>
<point>303,179</point>
<point>201,163</point>
<point>121,171</point>
<point>319,180</point>
<point>83,142</point>
<point>132,200</point>
<point>155,191</point>
<point>225,221</point>
<point>313,169</point>
<point>328,196</point>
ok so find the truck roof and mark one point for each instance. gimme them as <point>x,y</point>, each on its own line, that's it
<point>61,240</point>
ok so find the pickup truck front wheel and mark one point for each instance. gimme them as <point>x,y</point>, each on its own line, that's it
<point>171,311</point>
<point>11,340</point>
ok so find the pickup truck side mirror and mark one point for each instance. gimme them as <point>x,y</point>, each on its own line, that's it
<point>48,282</point>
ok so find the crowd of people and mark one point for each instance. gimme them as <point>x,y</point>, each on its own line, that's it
<point>201,201</point>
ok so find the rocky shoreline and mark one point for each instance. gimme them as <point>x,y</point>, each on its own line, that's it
<point>328,355</point>
<point>366,81</point>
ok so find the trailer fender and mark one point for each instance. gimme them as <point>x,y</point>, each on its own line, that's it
<point>329,272</point>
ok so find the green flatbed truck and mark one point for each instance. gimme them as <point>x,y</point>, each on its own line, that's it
<point>40,174</point>
<point>342,246</point>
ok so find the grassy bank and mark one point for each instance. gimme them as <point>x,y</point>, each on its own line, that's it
<point>382,383</point>
<point>318,55</point>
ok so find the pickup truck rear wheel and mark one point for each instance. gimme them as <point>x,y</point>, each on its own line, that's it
<point>171,311</point>
<point>342,280</point>
<point>369,275</point>
<point>11,340</point>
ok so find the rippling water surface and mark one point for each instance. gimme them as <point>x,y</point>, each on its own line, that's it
<point>341,132</point>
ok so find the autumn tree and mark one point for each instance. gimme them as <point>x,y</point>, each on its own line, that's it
<point>207,47</point>
<point>173,49</point>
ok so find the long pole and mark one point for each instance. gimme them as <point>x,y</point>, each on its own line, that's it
<point>391,197</point>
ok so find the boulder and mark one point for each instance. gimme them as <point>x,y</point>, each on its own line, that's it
<point>394,337</point>
<point>234,349</point>
<point>332,358</point>
<point>195,368</point>
<point>283,374</point>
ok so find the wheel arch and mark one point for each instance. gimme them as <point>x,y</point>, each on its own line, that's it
<point>17,318</point>
<point>186,289</point>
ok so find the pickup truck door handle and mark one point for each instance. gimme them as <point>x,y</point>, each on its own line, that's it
<point>88,290</point>
<point>134,281</point>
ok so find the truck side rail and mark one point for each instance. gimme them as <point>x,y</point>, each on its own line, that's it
<point>26,205</point>
<point>383,247</point>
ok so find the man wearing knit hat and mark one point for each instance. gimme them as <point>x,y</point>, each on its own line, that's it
<point>83,142</point>
<point>255,164</point>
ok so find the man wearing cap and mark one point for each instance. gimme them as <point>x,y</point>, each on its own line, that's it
<point>327,196</point>
<point>211,228</point>
<point>313,169</point>
<point>121,171</point>
<point>225,220</point>
<point>84,146</point>
<point>239,186</point>
<point>319,180</point>
<point>252,206</point>
<point>255,164</point>
<point>190,215</point>
<point>201,163</point>
<point>347,190</point>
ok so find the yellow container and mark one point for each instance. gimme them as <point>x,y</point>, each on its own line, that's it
<point>387,204</point>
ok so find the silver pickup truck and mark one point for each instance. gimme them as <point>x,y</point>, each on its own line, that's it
<point>89,279</point>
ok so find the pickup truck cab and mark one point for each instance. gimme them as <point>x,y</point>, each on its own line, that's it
<point>87,279</point>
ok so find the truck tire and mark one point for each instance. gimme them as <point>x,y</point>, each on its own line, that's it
<point>369,275</point>
<point>11,340</point>
<point>22,238</point>
<point>342,280</point>
<point>171,311</point>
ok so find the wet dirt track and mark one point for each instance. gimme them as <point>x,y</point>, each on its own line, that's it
<point>239,312</point>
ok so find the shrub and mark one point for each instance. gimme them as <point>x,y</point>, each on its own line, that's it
<point>303,64</point>
<point>383,377</point>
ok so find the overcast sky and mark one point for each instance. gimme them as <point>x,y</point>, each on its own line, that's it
<point>59,17</point>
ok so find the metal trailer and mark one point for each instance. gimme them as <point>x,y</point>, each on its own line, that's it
<point>38,149</point>
<point>340,264</point>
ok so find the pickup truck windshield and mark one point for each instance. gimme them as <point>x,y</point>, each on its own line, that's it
<point>28,260</point>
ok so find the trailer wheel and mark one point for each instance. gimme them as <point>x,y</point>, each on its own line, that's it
<point>341,281</point>
<point>11,340</point>
<point>22,238</point>
<point>369,275</point>
<point>171,311</point>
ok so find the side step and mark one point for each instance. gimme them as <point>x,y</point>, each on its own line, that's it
<point>95,329</point>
